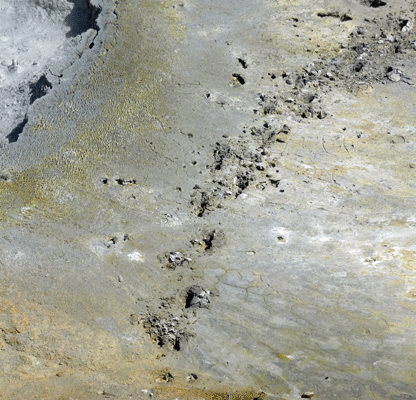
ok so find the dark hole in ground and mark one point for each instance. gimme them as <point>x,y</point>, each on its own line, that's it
<point>122,181</point>
<point>39,88</point>
<point>242,182</point>
<point>309,98</point>
<point>82,17</point>
<point>167,376</point>
<point>239,79</point>
<point>13,136</point>
<point>192,377</point>
<point>4,178</point>
<point>242,62</point>
<point>188,299</point>
<point>403,23</point>
<point>112,242</point>
<point>208,239</point>
<point>373,3</point>
<point>358,67</point>
<point>343,17</point>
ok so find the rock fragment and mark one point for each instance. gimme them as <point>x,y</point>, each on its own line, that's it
<point>197,297</point>
<point>394,77</point>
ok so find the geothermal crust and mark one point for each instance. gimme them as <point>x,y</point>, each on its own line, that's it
<point>208,200</point>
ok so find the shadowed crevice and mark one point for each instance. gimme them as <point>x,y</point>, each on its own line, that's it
<point>373,3</point>
<point>39,89</point>
<point>82,17</point>
<point>13,136</point>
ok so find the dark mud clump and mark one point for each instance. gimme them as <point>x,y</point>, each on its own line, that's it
<point>204,201</point>
<point>197,297</point>
<point>211,239</point>
<point>172,260</point>
<point>164,331</point>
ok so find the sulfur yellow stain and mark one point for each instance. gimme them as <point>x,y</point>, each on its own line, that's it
<point>42,125</point>
<point>126,92</point>
<point>191,393</point>
<point>283,357</point>
<point>408,259</point>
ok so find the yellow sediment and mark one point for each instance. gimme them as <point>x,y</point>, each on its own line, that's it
<point>185,393</point>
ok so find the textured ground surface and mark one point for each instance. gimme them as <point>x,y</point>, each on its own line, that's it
<point>216,200</point>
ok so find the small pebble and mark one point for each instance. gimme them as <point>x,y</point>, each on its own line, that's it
<point>395,77</point>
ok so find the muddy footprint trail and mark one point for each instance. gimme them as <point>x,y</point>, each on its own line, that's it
<point>216,201</point>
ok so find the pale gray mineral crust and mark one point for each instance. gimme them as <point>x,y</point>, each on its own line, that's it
<point>207,199</point>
